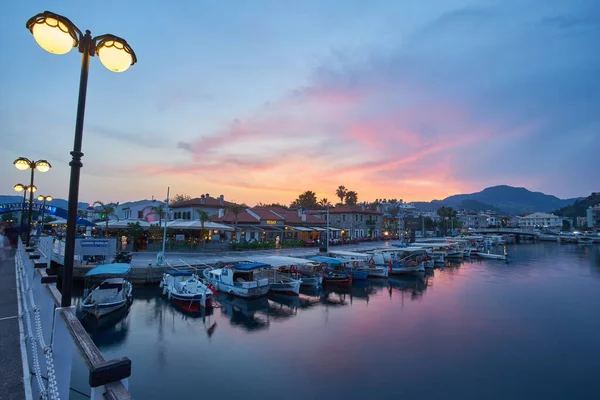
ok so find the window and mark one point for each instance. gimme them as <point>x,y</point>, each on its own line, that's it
<point>140,214</point>
<point>361,218</point>
<point>344,217</point>
<point>356,217</point>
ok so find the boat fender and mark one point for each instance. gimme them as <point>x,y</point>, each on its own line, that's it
<point>162,283</point>
<point>355,264</point>
<point>371,262</point>
<point>164,291</point>
<point>169,296</point>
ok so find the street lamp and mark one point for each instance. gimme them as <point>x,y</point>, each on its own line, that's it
<point>57,34</point>
<point>22,164</point>
<point>19,187</point>
<point>45,199</point>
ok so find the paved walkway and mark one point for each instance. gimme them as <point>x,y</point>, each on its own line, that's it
<point>11,367</point>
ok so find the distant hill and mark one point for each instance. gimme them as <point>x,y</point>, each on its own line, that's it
<point>60,203</point>
<point>502,199</point>
<point>578,208</point>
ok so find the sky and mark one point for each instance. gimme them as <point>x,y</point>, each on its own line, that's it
<point>262,100</point>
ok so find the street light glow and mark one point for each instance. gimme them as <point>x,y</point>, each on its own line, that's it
<point>115,54</point>
<point>22,163</point>
<point>54,33</point>
<point>42,166</point>
<point>20,187</point>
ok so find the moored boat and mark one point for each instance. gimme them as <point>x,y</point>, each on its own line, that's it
<point>184,289</point>
<point>493,256</point>
<point>307,271</point>
<point>362,264</point>
<point>334,270</point>
<point>241,279</point>
<point>112,294</point>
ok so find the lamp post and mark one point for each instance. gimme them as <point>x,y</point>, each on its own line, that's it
<point>19,187</point>
<point>22,164</point>
<point>57,34</point>
<point>45,199</point>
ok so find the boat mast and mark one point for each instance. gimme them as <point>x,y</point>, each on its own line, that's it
<point>165,229</point>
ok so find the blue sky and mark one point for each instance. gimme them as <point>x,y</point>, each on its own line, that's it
<point>263,100</point>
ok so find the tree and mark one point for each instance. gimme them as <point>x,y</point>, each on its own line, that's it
<point>134,232</point>
<point>447,214</point>
<point>204,217</point>
<point>393,208</point>
<point>178,198</point>
<point>324,203</point>
<point>341,193</point>
<point>351,198</point>
<point>236,210</point>
<point>107,210</point>
<point>273,205</point>
<point>429,224</point>
<point>160,209</point>
<point>307,200</point>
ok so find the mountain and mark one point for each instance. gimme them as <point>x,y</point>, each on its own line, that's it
<point>502,199</point>
<point>578,209</point>
<point>60,203</point>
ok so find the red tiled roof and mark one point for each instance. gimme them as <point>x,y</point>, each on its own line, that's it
<point>229,218</point>
<point>266,213</point>
<point>209,202</point>
<point>345,209</point>
<point>292,217</point>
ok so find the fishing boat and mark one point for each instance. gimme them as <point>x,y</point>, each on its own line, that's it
<point>307,271</point>
<point>183,288</point>
<point>113,293</point>
<point>404,260</point>
<point>241,279</point>
<point>334,270</point>
<point>362,264</point>
<point>493,256</point>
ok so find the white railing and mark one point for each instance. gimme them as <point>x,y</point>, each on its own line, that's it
<point>52,332</point>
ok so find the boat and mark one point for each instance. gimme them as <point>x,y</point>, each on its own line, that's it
<point>403,260</point>
<point>362,264</point>
<point>183,288</point>
<point>282,282</point>
<point>585,240</point>
<point>334,270</point>
<point>307,271</point>
<point>239,279</point>
<point>113,293</point>
<point>493,256</point>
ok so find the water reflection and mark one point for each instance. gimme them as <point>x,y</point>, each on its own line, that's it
<point>481,317</point>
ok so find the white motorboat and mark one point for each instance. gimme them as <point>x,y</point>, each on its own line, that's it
<point>585,240</point>
<point>239,279</point>
<point>307,271</point>
<point>184,289</point>
<point>113,293</point>
<point>493,256</point>
<point>363,262</point>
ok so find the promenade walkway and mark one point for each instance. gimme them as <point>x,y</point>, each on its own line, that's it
<point>11,367</point>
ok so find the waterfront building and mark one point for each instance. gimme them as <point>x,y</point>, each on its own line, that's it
<point>593,217</point>
<point>189,209</point>
<point>475,220</point>
<point>142,210</point>
<point>356,222</point>
<point>540,220</point>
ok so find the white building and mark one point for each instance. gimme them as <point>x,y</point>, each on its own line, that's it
<point>540,220</point>
<point>143,210</point>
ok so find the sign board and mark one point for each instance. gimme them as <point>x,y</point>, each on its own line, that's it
<point>271,222</point>
<point>96,247</point>
<point>180,238</point>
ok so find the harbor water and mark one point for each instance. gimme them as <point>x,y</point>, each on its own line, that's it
<point>478,329</point>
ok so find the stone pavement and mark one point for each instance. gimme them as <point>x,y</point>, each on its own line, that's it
<point>11,367</point>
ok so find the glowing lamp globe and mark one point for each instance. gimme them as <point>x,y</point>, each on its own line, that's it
<point>40,197</point>
<point>53,33</point>
<point>48,198</point>
<point>32,188</point>
<point>115,54</point>
<point>19,187</point>
<point>22,164</point>
<point>42,166</point>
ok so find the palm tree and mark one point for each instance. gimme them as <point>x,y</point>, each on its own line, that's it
<point>237,209</point>
<point>108,210</point>
<point>351,198</point>
<point>341,193</point>
<point>394,209</point>
<point>324,203</point>
<point>204,217</point>
<point>160,209</point>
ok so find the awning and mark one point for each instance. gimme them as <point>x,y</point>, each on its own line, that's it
<point>301,228</point>
<point>110,269</point>
<point>197,225</point>
<point>335,229</point>
<point>316,228</point>
<point>122,223</point>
